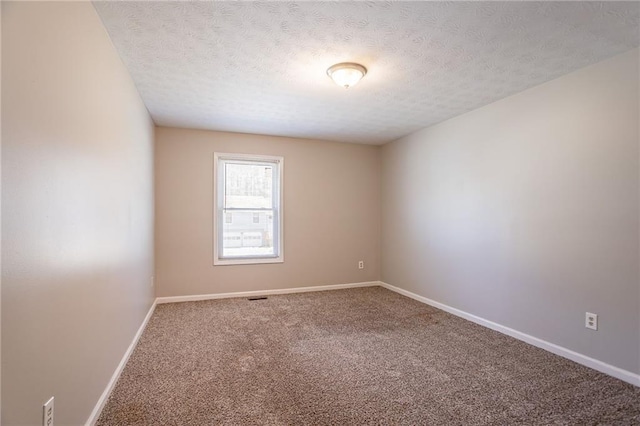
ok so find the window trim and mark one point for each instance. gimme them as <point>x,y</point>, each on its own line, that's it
<point>218,215</point>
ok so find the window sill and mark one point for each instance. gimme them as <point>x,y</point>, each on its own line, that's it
<point>249,261</point>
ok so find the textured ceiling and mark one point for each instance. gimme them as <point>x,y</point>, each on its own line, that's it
<point>259,67</point>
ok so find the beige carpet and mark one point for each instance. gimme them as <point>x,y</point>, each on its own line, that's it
<point>350,357</point>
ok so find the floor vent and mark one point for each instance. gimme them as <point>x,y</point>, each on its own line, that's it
<point>258,298</point>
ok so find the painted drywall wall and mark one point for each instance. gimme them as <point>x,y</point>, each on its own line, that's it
<point>77,210</point>
<point>0,213</point>
<point>331,213</point>
<point>525,212</point>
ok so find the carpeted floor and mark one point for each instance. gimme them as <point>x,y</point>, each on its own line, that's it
<point>350,357</point>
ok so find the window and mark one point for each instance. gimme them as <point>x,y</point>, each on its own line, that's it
<point>248,209</point>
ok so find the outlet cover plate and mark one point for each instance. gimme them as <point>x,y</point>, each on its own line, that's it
<point>47,413</point>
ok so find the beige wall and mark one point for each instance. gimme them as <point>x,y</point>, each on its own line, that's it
<point>331,213</point>
<point>0,216</point>
<point>525,212</point>
<point>77,210</point>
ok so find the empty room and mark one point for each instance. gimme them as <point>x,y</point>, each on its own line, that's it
<point>320,213</point>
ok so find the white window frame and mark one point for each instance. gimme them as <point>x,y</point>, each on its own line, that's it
<point>218,205</point>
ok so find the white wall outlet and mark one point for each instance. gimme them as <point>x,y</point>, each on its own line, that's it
<point>591,321</point>
<point>361,264</point>
<point>47,413</point>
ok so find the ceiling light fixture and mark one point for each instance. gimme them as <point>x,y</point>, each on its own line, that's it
<point>346,74</point>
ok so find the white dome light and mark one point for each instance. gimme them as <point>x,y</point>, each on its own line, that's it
<point>346,74</point>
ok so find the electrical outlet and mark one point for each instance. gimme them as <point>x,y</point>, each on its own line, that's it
<point>47,413</point>
<point>591,321</point>
<point>361,264</point>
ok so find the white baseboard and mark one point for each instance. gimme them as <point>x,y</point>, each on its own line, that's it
<point>196,297</point>
<point>116,374</point>
<point>603,367</point>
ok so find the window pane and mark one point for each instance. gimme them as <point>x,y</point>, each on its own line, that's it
<point>246,237</point>
<point>248,186</point>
